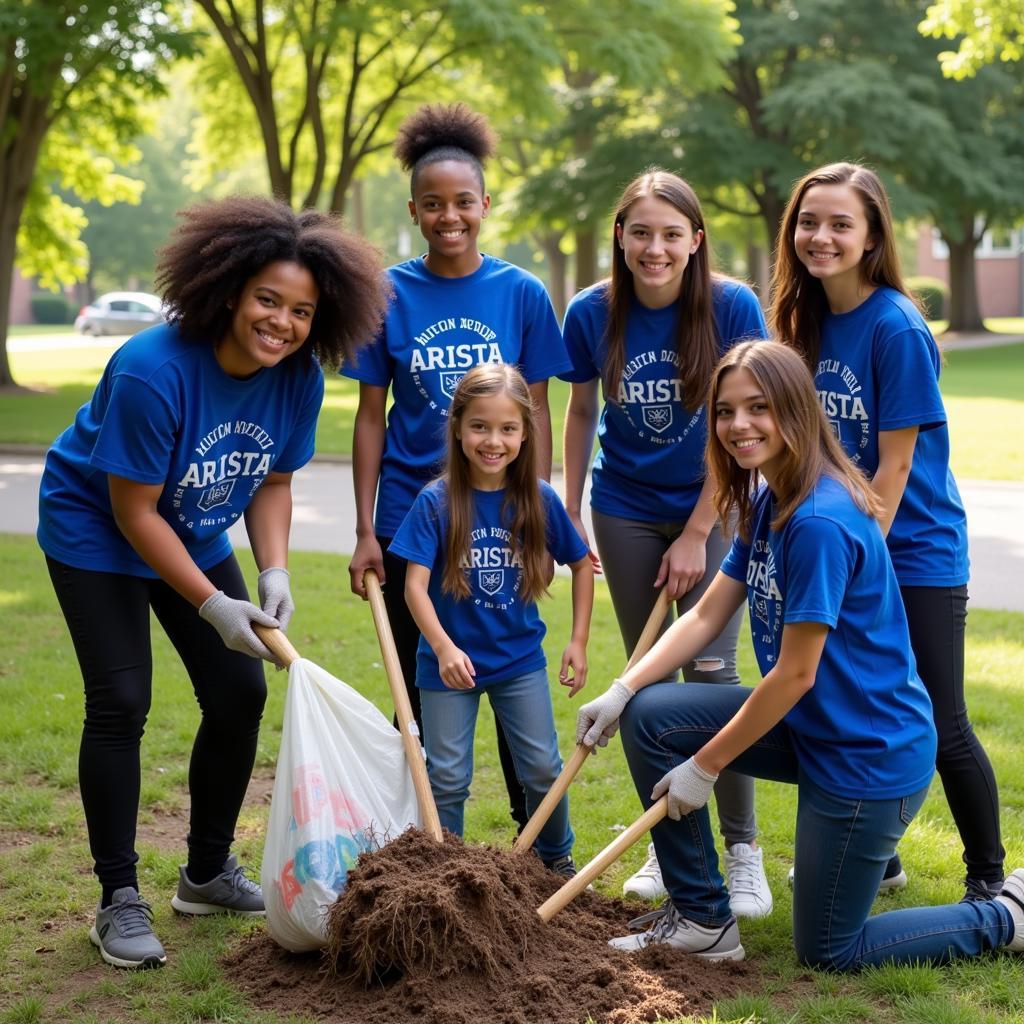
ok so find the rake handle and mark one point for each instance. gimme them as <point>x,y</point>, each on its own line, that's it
<point>278,644</point>
<point>611,853</point>
<point>403,709</point>
<point>545,809</point>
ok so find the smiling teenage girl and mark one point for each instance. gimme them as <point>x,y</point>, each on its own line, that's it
<point>840,712</point>
<point>650,336</point>
<point>453,308</point>
<point>477,543</point>
<point>195,424</point>
<point>839,299</point>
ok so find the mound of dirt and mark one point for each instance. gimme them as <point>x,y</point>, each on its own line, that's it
<point>449,934</point>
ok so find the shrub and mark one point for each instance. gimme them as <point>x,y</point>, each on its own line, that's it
<point>51,309</point>
<point>933,294</point>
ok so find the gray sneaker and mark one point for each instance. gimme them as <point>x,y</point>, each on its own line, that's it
<point>229,893</point>
<point>124,934</point>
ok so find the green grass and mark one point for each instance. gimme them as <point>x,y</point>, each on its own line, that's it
<point>34,330</point>
<point>47,893</point>
<point>983,389</point>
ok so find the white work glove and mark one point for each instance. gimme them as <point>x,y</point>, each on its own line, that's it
<point>598,721</point>
<point>233,621</point>
<point>275,595</point>
<point>688,787</point>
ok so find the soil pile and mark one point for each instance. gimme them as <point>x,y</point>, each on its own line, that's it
<point>449,934</point>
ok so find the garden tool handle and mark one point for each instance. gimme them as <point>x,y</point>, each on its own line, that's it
<point>546,808</point>
<point>611,853</point>
<point>403,709</point>
<point>278,644</point>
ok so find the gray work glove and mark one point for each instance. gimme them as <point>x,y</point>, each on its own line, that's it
<point>598,721</point>
<point>688,787</point>
<point>233,621</point>
<point>275,595</point>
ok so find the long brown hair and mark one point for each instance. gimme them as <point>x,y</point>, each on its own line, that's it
<point>522,511</point>
<point>696,332</point>
<point>812,448</point>
<point>798,303</point>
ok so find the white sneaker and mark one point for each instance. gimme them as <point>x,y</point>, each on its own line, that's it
<point>1012,897</point>
<point>749,895</point>
<point>672,930</point>
<point>647,883</point>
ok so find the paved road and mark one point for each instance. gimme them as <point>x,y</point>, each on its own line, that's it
<point>324,520</point>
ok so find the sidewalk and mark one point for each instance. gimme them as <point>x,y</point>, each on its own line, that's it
<point>324,520</point>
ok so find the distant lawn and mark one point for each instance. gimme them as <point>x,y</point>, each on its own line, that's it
<point>984,391</point>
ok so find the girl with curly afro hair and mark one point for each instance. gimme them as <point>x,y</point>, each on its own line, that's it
<point>196,423</point>
<point>453,308</point>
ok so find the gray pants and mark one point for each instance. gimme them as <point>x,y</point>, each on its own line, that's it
<point>631,552</point>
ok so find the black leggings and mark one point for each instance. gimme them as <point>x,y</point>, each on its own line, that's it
<point>938,617</point>
<point>108,616</point>
<point>407,638</point>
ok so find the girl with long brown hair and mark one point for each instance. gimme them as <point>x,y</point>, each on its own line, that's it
<point>840,711</point>
<point>648,338</point>
<point>839,299</point>
<point>477,542</point>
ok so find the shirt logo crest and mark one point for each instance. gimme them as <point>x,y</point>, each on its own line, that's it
<point>658,417</point>
<point>491,580</point>
<point>450,381</point>
<point>218,494</point>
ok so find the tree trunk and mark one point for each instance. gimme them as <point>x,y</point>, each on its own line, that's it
<point>17,168</point>
<point>757,270</point>
<point>6,279</point>
<point>586,257</point>
<point>558,264</point>
<point>772,208</point>
<point>964,312</point>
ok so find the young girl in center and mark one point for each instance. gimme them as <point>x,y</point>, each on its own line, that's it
<point>477,542</point>
<point>649,337</point>
<point>838,298</point>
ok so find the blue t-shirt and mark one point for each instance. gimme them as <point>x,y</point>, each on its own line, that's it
<point>165,412</point>
<point>879,370</point>
<point>650,466</point>
<point>501,633</point>
<point>436,329</point>
<point>865,728</point>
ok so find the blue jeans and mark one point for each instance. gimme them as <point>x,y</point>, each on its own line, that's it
<point>842,844</point>
<point>522,706</point>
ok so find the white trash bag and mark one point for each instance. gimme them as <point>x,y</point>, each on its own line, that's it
<point>342,787</point>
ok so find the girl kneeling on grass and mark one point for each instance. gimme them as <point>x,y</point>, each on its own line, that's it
<point>477,541</point>
<point>195,424</point>
<point>841,711</point>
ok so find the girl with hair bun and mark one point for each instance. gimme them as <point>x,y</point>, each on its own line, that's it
<point>839,299</point>
<point>453,308</point>
<point>195,424</point>
<point>648,338</point>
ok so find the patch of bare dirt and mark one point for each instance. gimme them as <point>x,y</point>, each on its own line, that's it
<point>448,934</point>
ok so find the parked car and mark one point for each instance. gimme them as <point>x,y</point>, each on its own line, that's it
<point>120,313</point>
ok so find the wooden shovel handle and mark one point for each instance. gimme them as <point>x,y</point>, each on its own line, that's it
<point>403,709</point>
<point>279,645</point>
<point>539,818</point>
<point>611,853</point>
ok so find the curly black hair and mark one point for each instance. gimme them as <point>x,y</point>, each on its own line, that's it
<point>438,132</point>
<point>220,245</point>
